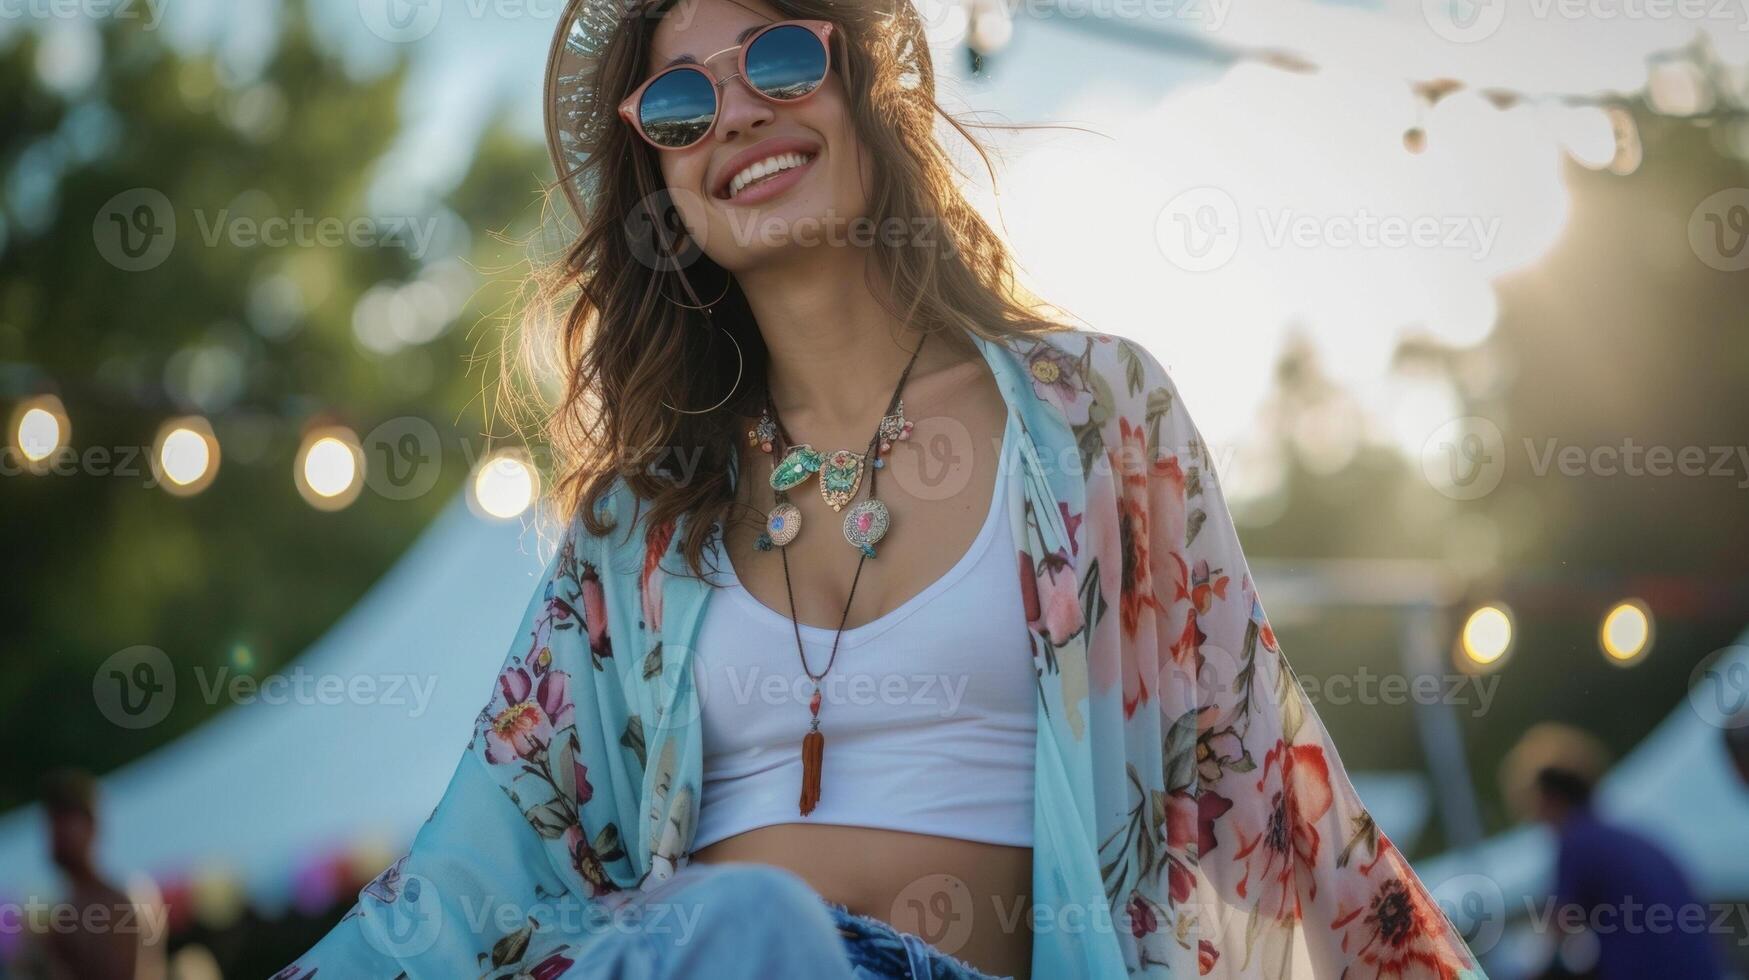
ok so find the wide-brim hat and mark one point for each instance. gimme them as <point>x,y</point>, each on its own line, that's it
<point>574,118</point>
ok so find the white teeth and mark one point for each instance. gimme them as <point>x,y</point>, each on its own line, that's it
<point>765,168</point>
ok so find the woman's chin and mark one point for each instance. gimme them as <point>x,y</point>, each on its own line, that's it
<point>785,229</point>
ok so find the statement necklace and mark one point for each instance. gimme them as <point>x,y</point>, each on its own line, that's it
<point>840,475</point>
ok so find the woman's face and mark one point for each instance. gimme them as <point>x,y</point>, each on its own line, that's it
<point>742,224</point>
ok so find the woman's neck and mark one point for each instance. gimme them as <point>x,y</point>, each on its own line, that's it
<point>835,351</point>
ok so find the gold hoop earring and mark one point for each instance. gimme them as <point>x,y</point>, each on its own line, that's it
<point>740,365</point>
<point>706,309</point>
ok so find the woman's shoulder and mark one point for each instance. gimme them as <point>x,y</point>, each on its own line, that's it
<point>1123,364</point>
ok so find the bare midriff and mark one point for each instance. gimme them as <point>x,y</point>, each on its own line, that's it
<point>969,899</point>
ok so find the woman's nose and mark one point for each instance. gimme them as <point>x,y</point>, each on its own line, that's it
<point>741,110</point>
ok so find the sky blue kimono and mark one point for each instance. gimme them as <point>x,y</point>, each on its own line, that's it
<point>1191,816</point>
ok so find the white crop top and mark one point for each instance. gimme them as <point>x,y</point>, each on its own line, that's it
<point>929,711</point>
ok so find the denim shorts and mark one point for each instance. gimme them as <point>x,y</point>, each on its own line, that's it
<point>877,951</point>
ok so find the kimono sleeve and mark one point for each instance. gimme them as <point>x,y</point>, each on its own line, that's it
<point>1292,878</point>
<point>502,874</point>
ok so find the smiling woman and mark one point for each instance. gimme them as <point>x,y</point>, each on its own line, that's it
<point>1034,721</point>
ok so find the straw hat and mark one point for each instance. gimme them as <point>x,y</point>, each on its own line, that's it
<point>574,123</point>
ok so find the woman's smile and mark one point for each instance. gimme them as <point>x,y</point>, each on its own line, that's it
<point>765,171</point>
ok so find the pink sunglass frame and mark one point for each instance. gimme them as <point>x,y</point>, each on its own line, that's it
<point>628,109</point>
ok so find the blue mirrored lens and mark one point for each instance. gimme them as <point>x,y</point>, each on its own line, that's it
<point>677,108</point>
<point>787,62</point>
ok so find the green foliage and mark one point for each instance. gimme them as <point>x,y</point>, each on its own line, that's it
<point>246,571</point>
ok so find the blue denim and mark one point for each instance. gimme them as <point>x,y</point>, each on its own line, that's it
<point>880,952</point>
<point>742,921</point>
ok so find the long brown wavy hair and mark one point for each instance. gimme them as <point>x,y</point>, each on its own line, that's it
<point>623,348</point>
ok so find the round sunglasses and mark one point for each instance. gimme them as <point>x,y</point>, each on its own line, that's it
<point>783,61</point>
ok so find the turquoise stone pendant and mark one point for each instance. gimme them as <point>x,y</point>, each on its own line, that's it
<point>798,464</point>
<point>840,475</point>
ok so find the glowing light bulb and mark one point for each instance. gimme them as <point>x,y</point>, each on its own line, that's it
<point>39,429</point>
<point>187,455</point>
<point>1487,636</point>
<point>330,468</point>
<point>1625,635</point>
<point>505,485</point>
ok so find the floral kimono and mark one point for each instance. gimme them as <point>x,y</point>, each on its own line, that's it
<point>1191,816</point>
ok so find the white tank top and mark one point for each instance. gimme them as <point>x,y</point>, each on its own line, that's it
<point>929,712</point>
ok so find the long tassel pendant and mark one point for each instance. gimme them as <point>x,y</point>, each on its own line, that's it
<point>813,754</point>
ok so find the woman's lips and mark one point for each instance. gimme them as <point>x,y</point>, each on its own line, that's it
<point>761,191</point>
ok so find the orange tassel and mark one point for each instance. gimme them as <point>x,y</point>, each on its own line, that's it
<point>813,754</point>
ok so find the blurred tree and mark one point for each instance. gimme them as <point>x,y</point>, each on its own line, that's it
<point>1621,333</point>
<point>264,336</point>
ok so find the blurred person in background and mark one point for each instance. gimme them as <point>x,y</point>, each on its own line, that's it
<point>98,931</point>
<point>1624,888</point>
